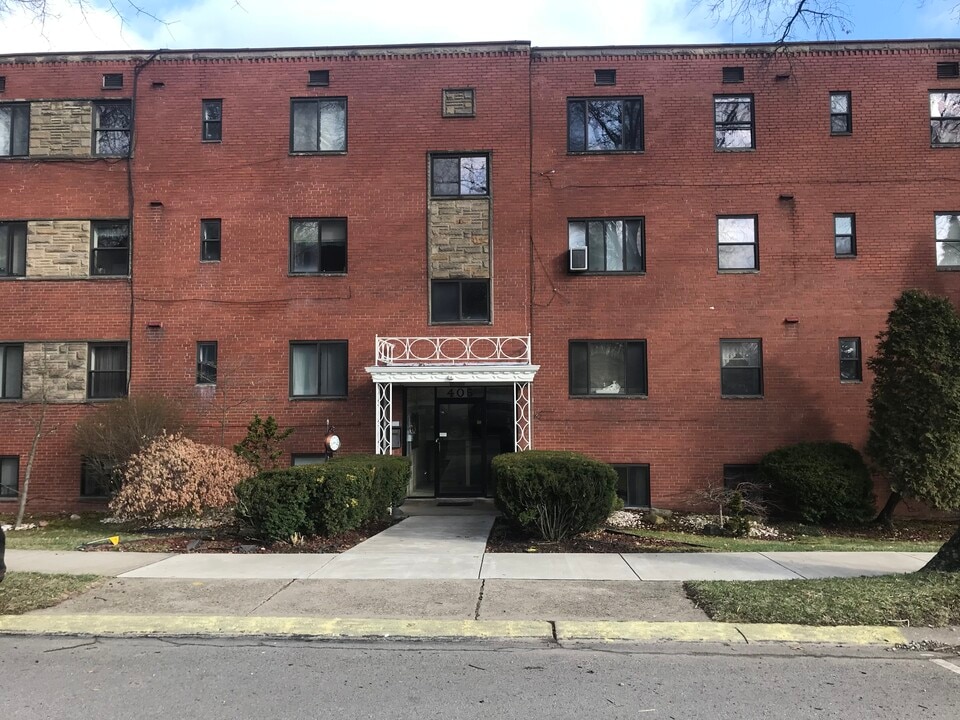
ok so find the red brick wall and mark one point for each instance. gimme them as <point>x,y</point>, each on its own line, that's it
<point>885,172</point>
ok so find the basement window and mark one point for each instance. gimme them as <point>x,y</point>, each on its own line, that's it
<point>9,477</point>
<point>633,485</point>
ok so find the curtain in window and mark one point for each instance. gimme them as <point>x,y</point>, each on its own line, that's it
<point>333,369</point>
<point>304,371</point>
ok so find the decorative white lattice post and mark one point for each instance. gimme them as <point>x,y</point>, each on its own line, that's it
<point>384,418</point>
<point>523,416</point>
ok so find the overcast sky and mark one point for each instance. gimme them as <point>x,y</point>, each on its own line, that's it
<point>272,23</point>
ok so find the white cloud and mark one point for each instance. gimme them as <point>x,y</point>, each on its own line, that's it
<point>278,23</point>
<point>66,26</point>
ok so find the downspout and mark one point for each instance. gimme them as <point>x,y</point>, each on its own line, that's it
<point>139,68</point>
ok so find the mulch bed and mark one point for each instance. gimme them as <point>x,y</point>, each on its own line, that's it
<point>505,538</point>
<point>231,540</point>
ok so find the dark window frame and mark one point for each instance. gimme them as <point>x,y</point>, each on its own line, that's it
<point>738,470</point>
<point>461,320</point>
<point>319,220</point>
<point>5,351</point>
<point>208,126</point>
<point>97,130</point>
<point>112,81</point>
<point>93,346</point>
<point>755,244</point>
<point>208,242</point>
<point>8,493</point>
<point>95,226</point>
<point>838,236</point>
<point>946,240</point>
<point>321,458</point>
<point>13,127</point>
<point>316,101</point>
<point>321,395</point>
<point>459,195</point>
<point>948,70</point>
<point>642,392</point>
<point>758,368</point>
<point>725,125</point>
<point>12,246</point>
<point>631,469</point>
<point>848,115</point>
<point>91,478</point>
<point>207,368</point>
<point>584,101</point>
<point>605,77</point>
<point>942,119</point>
<point>732,74</point>
<point>643,243</point>
<point>856,362</point>
<point>318,78</point>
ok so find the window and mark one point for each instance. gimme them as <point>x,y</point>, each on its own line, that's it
<point>110,253</point>
<point>212,121</point>
<point>107,371</point>
<point>741,368</point>
<point>459,175</point>
<point>318,78</point>
<point>318,369</point>
<point>210,240</point>
<point>850,365</point>
<point>11,372</point>
<point>13,249</point>
<point>947,70</point>
<point>733,122</point>
<point>3,83</point>
<point>318,245</point>
<point>605,124</point>
<point>612,245</point>
<point>610,367</point>
<point>736,475</point>
<point>96,480</point>
<point>299,459</point>
<point>112,125</point>
<point>948,239</point>
<point>9,478</point>
<point>318,125</point>
<point>733,74</point>
<point>737,243</point>
<point>845,235</point>
<point>604,77</point>
<point>945,118</point>
<point>14,129</point>
<point>460,301</point>
<point>633,485</point>
<point>841,114</point>
<point>207,363</point>
<point>113,81</point>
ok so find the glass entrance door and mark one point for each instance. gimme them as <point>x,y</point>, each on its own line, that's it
<point>461,462</point>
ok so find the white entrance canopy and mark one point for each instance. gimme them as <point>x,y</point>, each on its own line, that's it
<point>451,360</point>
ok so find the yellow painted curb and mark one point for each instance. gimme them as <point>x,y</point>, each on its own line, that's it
<point>647,631</point>
<point>179,625</point>
<point>727,632</point>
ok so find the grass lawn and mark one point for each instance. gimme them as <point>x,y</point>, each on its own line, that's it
<point>826,542</point>
<point>22,592</point>
<point>912,599</point>
<point>66,534</point>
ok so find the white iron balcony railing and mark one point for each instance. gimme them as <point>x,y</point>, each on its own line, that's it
<point>511,349</point>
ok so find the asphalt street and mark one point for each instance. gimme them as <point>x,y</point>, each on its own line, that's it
<point>48,677</point>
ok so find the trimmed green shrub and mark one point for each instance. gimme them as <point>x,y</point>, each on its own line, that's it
<point>326,499</point>
<point>819,482</point>
<point>554,494</point>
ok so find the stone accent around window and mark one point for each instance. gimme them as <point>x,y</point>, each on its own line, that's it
<point>459,102</point>
<point>58,248</point>
<point>61,128</point>
<point>57,370</point>
<point>459,238</point>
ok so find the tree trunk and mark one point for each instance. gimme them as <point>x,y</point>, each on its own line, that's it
<point>24,492</point>
<point>948,559</point>
<point>885,517</point>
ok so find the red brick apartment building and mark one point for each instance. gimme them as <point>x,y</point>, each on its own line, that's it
<point>674,259</point>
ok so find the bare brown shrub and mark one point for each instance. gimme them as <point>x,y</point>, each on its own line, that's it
<point>176,476</point>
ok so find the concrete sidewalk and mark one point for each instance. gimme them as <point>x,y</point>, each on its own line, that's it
<point>383,561</point>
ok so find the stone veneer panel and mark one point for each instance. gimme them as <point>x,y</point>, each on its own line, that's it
<point>62,128</point>
<point>459,238</point>
<point>58,248</point>
<point>58,368</point>
<point>458,102</point>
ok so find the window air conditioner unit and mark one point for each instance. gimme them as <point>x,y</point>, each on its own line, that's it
<point>578,259</point>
